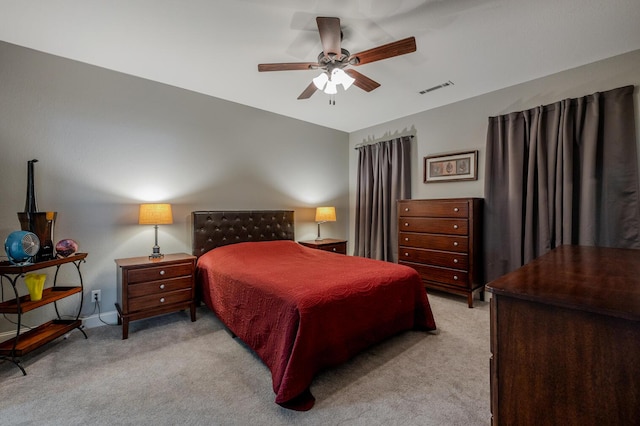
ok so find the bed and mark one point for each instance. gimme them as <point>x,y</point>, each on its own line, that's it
<point>301,310</point>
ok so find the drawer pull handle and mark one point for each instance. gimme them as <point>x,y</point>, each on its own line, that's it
<point>455,226</point>
<point>162,272</point>
<point>455,260</point>
<point>406,209</point>
<point>406,224</point>
<point>406,254</point>
<point>334,249</point>
<point>162,300</point>
<point>161,286</point>
<point>455,277</point>
<point>455,244</point>
<point>406,238</point>
<point>456,209</point>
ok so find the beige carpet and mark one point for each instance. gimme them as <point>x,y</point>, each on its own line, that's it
<point>171,371</point>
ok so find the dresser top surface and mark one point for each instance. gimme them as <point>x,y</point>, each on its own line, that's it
<point>595,279</point>
<point>145,261</point>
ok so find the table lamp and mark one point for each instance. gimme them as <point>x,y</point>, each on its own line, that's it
<point>155,214</point>
<point>324,214</point>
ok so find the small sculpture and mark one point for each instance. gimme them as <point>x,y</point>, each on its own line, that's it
<point>66,247</point>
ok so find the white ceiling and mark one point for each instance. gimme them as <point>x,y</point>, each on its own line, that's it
<point>214,46</point>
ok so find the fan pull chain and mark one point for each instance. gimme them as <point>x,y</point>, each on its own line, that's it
<point>332,99</point>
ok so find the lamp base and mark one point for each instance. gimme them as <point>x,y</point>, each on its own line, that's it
<point>156,253</point>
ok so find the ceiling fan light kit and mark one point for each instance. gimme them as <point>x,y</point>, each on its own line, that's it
<point>334,59</point>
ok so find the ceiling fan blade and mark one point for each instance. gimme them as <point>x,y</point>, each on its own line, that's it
<point>362,81</point>
<point>390,50</point>
<point>310,90</point>
<point>288,66</point>
<point>330,36</point>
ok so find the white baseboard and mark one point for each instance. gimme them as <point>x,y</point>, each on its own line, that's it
<point>6,335</point>
<point>93,321</point>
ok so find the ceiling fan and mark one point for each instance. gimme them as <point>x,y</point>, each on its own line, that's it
<point>334,60</point>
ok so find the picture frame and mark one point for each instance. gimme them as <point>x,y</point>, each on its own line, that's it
<point>454,166</point>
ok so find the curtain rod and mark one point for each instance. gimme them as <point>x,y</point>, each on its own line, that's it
<point>373,143</point>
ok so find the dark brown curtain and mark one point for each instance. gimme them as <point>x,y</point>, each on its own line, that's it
<point>384,176</point>
<point>565,173</point>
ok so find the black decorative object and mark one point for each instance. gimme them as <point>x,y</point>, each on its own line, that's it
<point>40,223</point>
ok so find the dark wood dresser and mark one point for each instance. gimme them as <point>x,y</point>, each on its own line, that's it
<point>441,239</point>
<point>565,339</point>
<point>327,244</point>
<point>150,287</point>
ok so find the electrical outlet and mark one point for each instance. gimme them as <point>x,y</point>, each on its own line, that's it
<point>96,295</point>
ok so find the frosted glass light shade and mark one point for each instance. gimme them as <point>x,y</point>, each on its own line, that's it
<point>331,88</point>
<point>321,80</point>
<point>340,77</point>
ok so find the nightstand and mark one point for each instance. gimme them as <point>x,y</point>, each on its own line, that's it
<point>150,287</point>
<point>327,244</point>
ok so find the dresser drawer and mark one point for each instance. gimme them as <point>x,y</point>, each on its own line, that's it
<point>159,272</point>
<point>159,287</point>
<point>435,257</point>
<point>433,226</point>
<point>434,241</point>
<point>340,248</point>
<point>440,275</point>
<point>157,300</point>
<point>435,208</point>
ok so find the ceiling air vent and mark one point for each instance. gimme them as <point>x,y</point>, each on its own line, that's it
<point>439,86</point>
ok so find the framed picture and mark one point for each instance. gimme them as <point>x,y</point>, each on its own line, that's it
<point>451,166</point>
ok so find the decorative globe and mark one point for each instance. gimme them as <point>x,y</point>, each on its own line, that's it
<point>67,247</point>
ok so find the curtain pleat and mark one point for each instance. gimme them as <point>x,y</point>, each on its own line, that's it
<point>384,176</point>
<point>564,173</point>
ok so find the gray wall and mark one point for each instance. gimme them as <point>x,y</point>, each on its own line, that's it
<point>106,142</point>
<point>462,126</point>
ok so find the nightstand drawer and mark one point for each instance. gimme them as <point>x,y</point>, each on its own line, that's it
<point>159,287</point>
<point>335,248</point>
<point>159,272</point>
<point>327,244</point>
<point>157,300</point>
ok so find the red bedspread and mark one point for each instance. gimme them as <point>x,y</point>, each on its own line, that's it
<point>302,309</point>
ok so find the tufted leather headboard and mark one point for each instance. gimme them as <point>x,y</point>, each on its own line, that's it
<point>213,229</point>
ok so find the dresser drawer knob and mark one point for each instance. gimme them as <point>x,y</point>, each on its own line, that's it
<point>406,254</point>
<point>456,209</point>
<point>455,277</point>
<point>406,209</point>
<point>455,260</point>
<point>162,272</point>
<point>455,226</point>
<point>162,300</point>
<point>406,224</point>
<point>455,244</point>
<point>334,249</point>
<point>161,286</point>
<point>406,238</point>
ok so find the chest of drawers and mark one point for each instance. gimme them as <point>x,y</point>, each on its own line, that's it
<point>150,287</point>
<point>441,239</point>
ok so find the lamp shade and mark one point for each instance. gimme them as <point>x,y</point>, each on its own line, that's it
<point>155,214</point>
<point>325,214</point>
